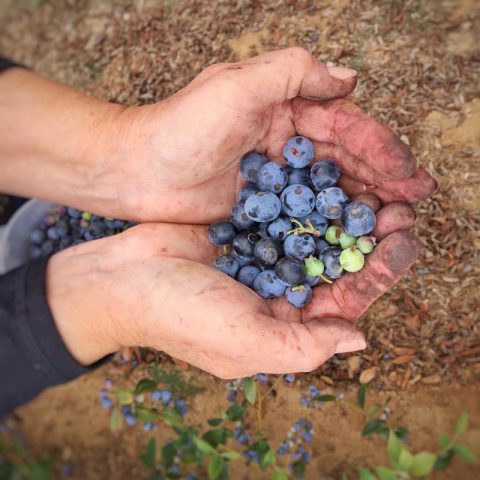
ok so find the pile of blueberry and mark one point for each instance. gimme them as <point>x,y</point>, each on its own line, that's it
<point>63,227</point>
<point>292,226</point>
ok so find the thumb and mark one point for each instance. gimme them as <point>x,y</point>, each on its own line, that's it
<point>282,75</point>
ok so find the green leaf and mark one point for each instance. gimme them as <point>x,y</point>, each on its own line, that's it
<point>148,458</point>
<point>464,453</point>
<point>203,446</point>
<point>116,420</point>
<point>444,459</point>
<point>402,433</point>
<point>405,459</point>
<point>364,474</point>
<point>326,398</point>
<point>217,436</point>
<point>462,424</point>
<point>124,397</point>
<point>394,447</point>
<point>40,471</point>
<point>157,476</point>
<point>216,466</point>
<point>214,422</point>
<point>230,455</point>
<point>361,394</point>
<point>261,447</point>
<point>422,464</point>
<point>145,385</point>
<point>344,476</point>
<point>298,468</point>
<point>235,412</point>
<point>172,417</point>
<point>146,414</point>
<point>267,459</point>
<point>169,450</point>
<point>279,474</point>
<point>386,473</point>
<point>373,426</point>
<point>250,390</point>
<point>444,441</point>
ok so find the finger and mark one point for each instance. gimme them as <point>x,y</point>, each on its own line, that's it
<point>369,199</point>
<point>343,123</point>
<point>282,75</point>
<point>393,218</point>
<point>350,296</point>
<point>208,72</point>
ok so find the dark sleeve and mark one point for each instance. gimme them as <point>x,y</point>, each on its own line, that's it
<point>32,353</point>
<point>5,63</point>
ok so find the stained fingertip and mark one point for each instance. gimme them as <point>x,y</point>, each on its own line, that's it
<point>352,186</point>
<point>394,217</point>
<point>369,199</point>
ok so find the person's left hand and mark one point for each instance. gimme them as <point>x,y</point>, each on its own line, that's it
<point>178,160</point>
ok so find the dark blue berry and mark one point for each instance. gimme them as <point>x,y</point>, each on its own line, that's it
<point>268,285</point>
<point>261,229</point>
<point>247,275</point>
<point>250,164</point>
<point>279,227</point>
<point>239,218</point>
<point>221,233</point>
<point>331,259</point>
<point>324,174</point>
<point>318,221</point>
<point>272,177</point>
<point>298,175</point>
<point>311,280</point>
<point>298,152</point>
<point>242,260</point>
<point>263,207</point>
<point>290,271</point>
<point>320,245</point>
<point>297,200</point>
<point>226,264</point>
<point>246,191</point>
<point>299,296</point>
<point>74,213</point>
<point>299,246</point>
<point>358,219</point>
<point>37,236</point>
<point>267,251</point>
<point>244,243</point>
<point>331,202</point>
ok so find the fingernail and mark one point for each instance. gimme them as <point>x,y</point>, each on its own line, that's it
<point>351,345</point>
<point>342,73</point>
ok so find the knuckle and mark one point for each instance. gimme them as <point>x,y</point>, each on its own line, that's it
<point>300,54</point>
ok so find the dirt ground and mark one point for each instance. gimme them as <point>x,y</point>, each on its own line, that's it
<point>419,73</point>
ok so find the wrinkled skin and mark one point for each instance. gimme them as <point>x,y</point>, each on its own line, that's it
<point>154,284</point>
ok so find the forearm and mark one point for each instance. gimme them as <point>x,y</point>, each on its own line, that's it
<point>51,139</point>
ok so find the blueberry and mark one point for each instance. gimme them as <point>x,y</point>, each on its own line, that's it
<point>346,240</point>
<point>62,228</point>
<point>297,175</point>
<point>244,243</point>
<point>181,406</point>
<point>314,266</point>
<point>297,200</point>
<point>299,246</point>
<point>250,164</point>
<point>66,241</point>
<point>268,285</point>
<point>332,235</point>
<point>88,235</point>
<point>36,252</point>
<point>358,219</point>
<point>289,377</point>
<point>119,224</point>
<point>319,222</point>
<point>74,213</point>
<point>299,296</point>
<point>226,264</point>
<point>221,233</point>
<point>312,280</point>
<point>263,207</point>
<point>247,275</point>
<point>48,247</point>
<point>97,228</point>
<point>267,251</point>
<point>366,244</point>
<point>106,402</point>
<point>331,202</point>
<point>320,245</point>
<point>37,236</point>
<point>298,152</point>
<point>261,229</point>
<point>242,260</point>
<point>53,234</point>
<point>290,271</point>
<point>148,426</point>
<point>249,189</point>
<point>331,260</point>
<point>279,227</point>
<point>130,419</point>
<point>239,218</point>
<point>324,174</point>
<point>272,177</point>
<point>352,259</point>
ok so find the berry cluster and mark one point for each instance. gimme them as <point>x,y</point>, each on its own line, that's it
<point>63,227</point>
<point>292,226</point>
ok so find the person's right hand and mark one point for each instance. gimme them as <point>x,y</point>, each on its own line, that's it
<point>152,286</point>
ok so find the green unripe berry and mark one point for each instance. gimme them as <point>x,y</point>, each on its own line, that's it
<point>314,266</point>
<point>86,216</point>
<point>332,235</point>
<point>352,259</point>
<point>365,244</point>
<point>346,240</point>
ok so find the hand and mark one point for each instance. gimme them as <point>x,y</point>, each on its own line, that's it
<point>184,152</point>
<point>147,287</point>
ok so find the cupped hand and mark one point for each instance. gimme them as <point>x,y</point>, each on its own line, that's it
<point>153,286</point>
<point>178,160</point>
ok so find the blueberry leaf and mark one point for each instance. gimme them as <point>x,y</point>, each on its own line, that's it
<point>250,390</point>
<point>405,459</point>
<point>124,397</point>
<point>364,474</point>
<point>373,426</point>
<point>214,422</point>
<point>464,453</point>
<point>203,445</point>
<point>116,420</point>
<point>279,474</point>
<point>148,458</point>
<point>172,417</point>
<point>326,398</point>
<point>145,385</point>
<point>362,391</point>
<point>216,466</point>
<point>394,447</point>
<point>422,464</point>
<point>444,441</point>
<point>462,424</point>
<point>386,473</point>
<point>444,459</point>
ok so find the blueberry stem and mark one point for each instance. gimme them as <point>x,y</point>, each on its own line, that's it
<point>302,229</point>
<point>300,288</point>
<point>225,249</point>
<point>325,279</point>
